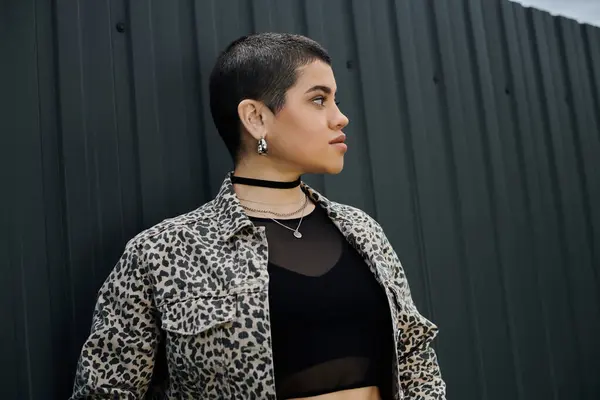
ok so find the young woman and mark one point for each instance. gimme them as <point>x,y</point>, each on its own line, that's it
<point>270,290</point>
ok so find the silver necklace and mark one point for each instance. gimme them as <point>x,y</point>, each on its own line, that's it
<point>271,204</point>
<point>302,207</point>
<point>296,231</point>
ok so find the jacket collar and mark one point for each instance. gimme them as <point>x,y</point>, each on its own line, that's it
<point>232,217</point>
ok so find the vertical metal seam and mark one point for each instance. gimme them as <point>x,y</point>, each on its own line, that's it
<point>115,117</point>
<point>24,293</point>
<point>367,149</point>
<point>155,100</point>
<point>595,85</point>
<point>477,91</point>
<point>85,133</point>
<point>528,202</point>
<point>575,130</point>
<point>556,200</point>
<point>515,357</point>
<point>134,118</point>
<point>537,89</point>
<point>198,84</point>
<point>64,199</point>
<point>95,200</point>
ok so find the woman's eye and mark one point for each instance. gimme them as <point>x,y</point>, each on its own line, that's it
<point>319,100</point>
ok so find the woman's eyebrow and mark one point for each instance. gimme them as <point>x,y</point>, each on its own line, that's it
<point>323,88</point>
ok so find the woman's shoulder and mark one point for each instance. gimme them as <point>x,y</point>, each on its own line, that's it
<point>354,214</point>
<point>200,220</point>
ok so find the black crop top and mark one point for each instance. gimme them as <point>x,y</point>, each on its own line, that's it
<point>330,320</point>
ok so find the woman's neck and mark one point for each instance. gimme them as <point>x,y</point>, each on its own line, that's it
<point>280,200</point>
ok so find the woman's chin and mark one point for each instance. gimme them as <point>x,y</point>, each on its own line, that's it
<point>331,166</point>
<point>334,168</point>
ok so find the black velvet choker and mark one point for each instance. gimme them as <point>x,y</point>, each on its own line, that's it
<point>264,183</point>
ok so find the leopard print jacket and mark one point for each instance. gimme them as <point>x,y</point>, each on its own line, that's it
<point>198,284</point>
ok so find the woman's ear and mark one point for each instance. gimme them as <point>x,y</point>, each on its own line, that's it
<point>251,113</point>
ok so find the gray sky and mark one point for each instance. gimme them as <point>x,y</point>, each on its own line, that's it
<point>587,11</point>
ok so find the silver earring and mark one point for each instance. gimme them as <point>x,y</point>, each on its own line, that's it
<point>263,149</point>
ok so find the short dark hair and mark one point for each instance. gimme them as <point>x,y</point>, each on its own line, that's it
<point>261,67</point>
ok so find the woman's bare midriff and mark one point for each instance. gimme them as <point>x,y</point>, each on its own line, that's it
<point>366,393</point>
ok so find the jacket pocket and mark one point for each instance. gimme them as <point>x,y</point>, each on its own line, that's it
<point>197,315</point>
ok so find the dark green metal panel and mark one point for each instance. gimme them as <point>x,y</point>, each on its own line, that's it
<point>474,140</point>
<point>535,373</point>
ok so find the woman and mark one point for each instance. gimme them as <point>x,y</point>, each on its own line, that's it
<point>270,290</point>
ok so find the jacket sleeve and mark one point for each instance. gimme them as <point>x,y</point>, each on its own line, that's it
<point>420,374</point>
<point>117,358</point>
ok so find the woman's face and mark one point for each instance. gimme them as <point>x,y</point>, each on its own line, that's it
<point>306,134</point>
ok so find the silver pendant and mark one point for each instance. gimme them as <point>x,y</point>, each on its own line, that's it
<point>297,235</point>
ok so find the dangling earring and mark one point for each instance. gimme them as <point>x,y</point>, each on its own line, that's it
<point>263,149</point>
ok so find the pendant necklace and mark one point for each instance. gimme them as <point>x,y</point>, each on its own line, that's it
<point>296,231</point>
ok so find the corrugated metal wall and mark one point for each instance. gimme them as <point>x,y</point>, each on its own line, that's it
<point>474,139</point>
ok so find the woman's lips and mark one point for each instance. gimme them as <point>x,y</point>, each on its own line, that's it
<point>341,138</point>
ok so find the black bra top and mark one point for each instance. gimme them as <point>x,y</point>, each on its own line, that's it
<point>330,320</point>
